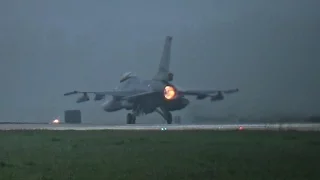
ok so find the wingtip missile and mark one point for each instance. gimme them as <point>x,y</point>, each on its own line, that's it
<point>231,91</point>
<point>70,93</point>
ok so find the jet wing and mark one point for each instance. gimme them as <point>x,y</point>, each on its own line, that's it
<point>215,95</point>
<point>128,95</point>
<point>140,95</point>
<point>101,93</point>
<point>207,92</point>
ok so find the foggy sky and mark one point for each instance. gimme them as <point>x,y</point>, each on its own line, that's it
<point>269,49</point>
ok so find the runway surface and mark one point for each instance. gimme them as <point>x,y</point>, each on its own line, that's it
<point>222,127</point>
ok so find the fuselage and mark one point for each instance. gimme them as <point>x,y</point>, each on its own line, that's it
<point>150,103</point>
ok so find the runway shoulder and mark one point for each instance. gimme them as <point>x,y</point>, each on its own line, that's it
<point>221,127</point>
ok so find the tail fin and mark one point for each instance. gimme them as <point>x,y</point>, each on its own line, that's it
<point>163,73</point>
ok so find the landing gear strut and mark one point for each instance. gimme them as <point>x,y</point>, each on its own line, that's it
<point>131,119</point>
<point>165,114</point>
<point>169,118</point>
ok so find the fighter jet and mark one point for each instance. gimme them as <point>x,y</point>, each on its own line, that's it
<point>145,96</point>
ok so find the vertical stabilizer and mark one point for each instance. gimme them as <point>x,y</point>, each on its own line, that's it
<point>163,73</point>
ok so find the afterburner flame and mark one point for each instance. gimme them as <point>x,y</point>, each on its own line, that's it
<point>169,92</point>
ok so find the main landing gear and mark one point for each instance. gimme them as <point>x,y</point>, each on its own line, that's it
<point>165,114</point>
<point>169,118</point>
<point>131,117</point>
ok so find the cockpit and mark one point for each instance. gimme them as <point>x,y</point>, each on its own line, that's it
<point>126,75</point>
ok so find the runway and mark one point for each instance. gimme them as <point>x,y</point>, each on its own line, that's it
<point>221,127</point>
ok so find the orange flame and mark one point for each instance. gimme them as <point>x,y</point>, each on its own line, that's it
<point>169,92</point>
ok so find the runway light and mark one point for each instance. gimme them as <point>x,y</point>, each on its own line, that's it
<point>163,129</point>
<point>56,121</point>
<point>240,128</point>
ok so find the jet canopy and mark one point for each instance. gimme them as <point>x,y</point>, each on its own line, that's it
<point>126,76</point>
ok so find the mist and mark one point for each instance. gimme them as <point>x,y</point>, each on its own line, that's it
<point>268,49</point>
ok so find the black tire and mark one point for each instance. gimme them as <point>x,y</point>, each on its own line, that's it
<point>131,119</point>
<point>169,120</point>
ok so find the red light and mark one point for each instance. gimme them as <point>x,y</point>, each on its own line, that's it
<point>241,128</point>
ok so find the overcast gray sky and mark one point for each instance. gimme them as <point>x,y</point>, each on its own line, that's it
<point>267,48</point>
